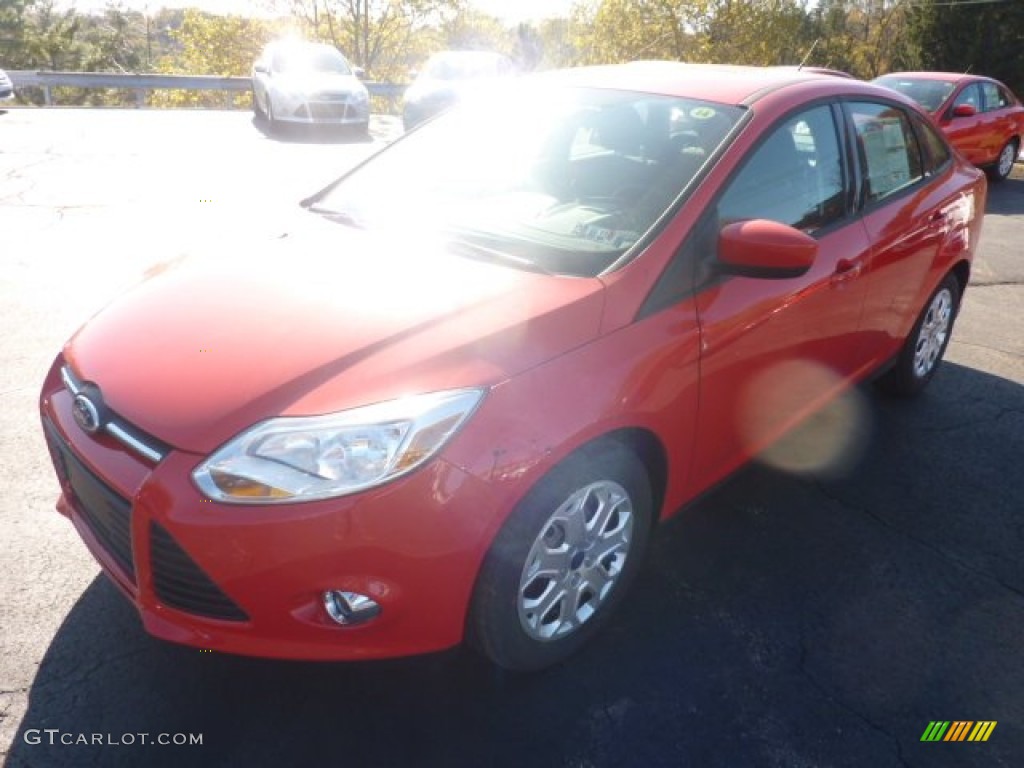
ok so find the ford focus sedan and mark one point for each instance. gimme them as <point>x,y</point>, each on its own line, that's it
<point>297,82</point>
<point>980,116</point>
<point>457,399</point>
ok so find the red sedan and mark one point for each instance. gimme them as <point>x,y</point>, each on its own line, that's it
<point>980,116</point>
<point>456,399</point>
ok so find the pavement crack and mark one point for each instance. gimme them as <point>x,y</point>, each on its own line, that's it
<point>830,696</point>
<point>996,283</point>
<point>935,550</point>
<point>82,675</point>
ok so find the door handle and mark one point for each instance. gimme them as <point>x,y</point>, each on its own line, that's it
<point>847,269</point>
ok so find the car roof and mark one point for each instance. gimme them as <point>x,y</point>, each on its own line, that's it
<point>955,77</point>
<point>721,83</point>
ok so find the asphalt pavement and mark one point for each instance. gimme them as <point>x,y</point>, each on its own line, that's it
<point>787,619</point>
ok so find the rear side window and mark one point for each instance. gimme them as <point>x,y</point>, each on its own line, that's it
<point>994,97</point>
<point>890,153</point>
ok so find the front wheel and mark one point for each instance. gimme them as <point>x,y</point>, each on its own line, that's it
<point>924,347</point>
<point>563,560</point>
<point>1004,165</point>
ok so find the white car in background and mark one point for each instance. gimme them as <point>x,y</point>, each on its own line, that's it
<point>447,78</point>
<point>6,87</point>
<point>303,82</point>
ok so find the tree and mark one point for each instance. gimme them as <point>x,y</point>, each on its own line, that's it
<point>382,36</point>
<point>983,38</point>
<point>614,31</point>
<point>764,33</point>
<point>212,45</point>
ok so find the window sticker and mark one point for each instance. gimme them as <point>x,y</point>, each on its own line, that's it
<point>886,150</point>
<point>614,238</point>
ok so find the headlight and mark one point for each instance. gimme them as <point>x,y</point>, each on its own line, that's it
<point>293,459</point>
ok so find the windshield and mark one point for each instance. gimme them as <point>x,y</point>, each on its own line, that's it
<point>930,94</point>
<point>319,58</point>
<point>564,180</point>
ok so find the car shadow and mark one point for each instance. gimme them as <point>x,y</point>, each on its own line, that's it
<point>784,619</point>
<point>310,134</point>
<point>1007,197</point>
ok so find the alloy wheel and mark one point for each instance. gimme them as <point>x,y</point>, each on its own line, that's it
<point>931,339</point>
<point>575,561</point>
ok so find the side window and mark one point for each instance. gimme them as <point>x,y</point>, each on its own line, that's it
<point>890,154</point>
<point>935,149</point>
<point>993,97</point>
<point>795,176</point>
<point>970,95</point>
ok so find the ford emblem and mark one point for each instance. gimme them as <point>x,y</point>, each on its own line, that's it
<point>86,414</point>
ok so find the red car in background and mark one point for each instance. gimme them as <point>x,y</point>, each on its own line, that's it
<point>457,399</point>
<point>980,116</point>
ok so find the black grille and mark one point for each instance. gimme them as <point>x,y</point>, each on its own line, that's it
<point>180,583</point>
<point>108,515</point>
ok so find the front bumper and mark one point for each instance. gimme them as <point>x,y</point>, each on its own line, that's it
<point>325,113</point>
<point>249,579</point>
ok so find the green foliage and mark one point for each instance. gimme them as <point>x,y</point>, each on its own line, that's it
<point>385,37</point>
<point>212,45</point>
<point>984,39</point>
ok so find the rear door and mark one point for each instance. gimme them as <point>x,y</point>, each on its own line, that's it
<point>1000,123</point>
<point>907,217</point>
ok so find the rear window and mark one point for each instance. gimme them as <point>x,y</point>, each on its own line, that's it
<point>930,94</point>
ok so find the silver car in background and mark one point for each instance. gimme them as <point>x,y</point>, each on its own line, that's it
<point>6,87</point>
<point>303,82</point>
<point>447,78</point>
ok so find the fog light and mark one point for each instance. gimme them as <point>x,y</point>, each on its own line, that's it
<point>349,608</point>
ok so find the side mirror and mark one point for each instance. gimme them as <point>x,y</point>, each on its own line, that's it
<point>359,72</point>
<point>766,249</point>
<point>964,110</point>
<point>261,68</point>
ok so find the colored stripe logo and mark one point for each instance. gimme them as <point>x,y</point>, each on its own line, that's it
<point>958,730</point>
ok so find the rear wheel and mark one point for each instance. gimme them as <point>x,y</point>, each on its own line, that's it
<point>1004,165</point>
<point>924,347</point>
<point>563,560</point>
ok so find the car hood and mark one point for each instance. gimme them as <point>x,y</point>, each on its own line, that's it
<point>315,82</point>
<point>316,323</point>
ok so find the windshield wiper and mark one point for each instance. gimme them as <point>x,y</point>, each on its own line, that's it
<point>340,217</point>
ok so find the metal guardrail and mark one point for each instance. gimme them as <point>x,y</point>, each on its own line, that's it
<point>143,84</point>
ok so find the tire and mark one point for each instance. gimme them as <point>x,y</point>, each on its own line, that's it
<point>260,116</point>
<point>924,347</point>
<point>589,519</point>
<point>1004,164</point>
